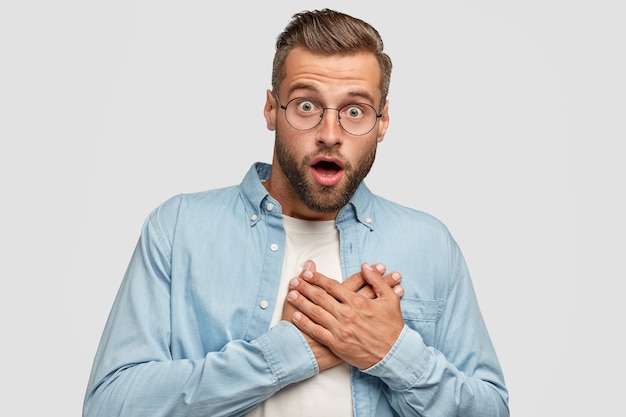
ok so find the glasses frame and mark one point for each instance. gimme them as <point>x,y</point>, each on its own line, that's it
<point>284,107</point>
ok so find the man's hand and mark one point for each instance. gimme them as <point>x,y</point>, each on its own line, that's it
<point>356,283</point>
<point>358,320</point>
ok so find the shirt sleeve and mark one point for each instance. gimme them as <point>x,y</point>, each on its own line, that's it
<point>134,373</point>
<point>460,376</point>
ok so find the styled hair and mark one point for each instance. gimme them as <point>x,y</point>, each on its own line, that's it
<point>329,32</point>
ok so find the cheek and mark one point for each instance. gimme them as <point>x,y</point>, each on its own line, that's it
<point>291,145</point>
<point>297,143</point>
<point>365,155</point>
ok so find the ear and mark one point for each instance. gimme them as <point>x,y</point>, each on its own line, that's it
<point>383,123</point>
<point>270,110</point>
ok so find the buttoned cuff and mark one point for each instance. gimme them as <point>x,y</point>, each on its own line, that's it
<point>288,354</point>
<point>405,364</point>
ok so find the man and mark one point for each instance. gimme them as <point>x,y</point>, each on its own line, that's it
<point>272,298</point>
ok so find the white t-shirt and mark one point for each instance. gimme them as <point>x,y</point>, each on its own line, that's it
<point>329,393</point>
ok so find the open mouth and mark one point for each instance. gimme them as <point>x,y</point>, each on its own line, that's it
<point>327,171</point>
<point>327,167</point>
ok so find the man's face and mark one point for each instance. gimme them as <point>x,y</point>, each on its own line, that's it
<point>316,172</point>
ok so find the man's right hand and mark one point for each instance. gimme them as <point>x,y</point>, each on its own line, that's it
<point>325,358</point>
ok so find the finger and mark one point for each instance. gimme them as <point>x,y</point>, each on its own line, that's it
<point>355,282</point>
<point>332,287</point>
<point>288,311</point>
<point>311,329</point>
<point>379,286</point>
<point>309,290</point>
<point>398,290</point>
<point>393,280</point>
<point>310,301</point>
<point>309,266</point>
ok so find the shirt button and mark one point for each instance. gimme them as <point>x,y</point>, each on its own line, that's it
<point>270,206</point>
<point>368,220</point>
<point>264,304</point>
<point>274,247</point>
<point>254,217</point>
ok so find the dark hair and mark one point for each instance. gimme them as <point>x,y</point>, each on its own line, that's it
<point>329,32</point>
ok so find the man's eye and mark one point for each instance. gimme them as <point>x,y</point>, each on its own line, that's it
<point>306,106</point>
<point>354,112</point>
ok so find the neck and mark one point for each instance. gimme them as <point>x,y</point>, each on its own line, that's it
<point>291,205</point>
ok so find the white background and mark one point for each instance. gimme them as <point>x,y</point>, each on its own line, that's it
<point>507,123</point>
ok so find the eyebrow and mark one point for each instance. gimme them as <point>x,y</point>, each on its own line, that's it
<point>301,86</point>
<point>311,88</point>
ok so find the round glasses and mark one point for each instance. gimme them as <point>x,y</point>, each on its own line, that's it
<point>303,113</point>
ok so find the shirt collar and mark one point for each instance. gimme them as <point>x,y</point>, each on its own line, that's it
<point>254,194</point>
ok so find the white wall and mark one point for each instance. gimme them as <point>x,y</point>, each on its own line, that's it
<point>507,124</point>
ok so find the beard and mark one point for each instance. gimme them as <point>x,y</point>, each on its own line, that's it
<point>318,197</point>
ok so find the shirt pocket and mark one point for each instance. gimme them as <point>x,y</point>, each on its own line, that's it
<point>422,316</point>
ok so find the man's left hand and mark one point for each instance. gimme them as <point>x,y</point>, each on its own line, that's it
<point>360,330</point>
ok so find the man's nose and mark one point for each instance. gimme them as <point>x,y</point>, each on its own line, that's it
<point>330,132</point>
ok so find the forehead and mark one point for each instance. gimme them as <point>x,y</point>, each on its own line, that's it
<point>331,76</point>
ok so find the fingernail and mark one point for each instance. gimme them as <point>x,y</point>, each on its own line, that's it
<point>307,274</point>
<point>398,290</point>
<point>367,266</point>
<point>307,266</point>
<point>294,282</point>
<point>292,295</point>
<point>297,316</point>
<point>380,268</point>
<point>396,276</point>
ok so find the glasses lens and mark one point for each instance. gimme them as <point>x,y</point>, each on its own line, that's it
<point>305,114</point>
<point>357,118</point>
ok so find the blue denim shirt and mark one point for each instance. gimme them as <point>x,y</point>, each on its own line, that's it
<point>189,332</point>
